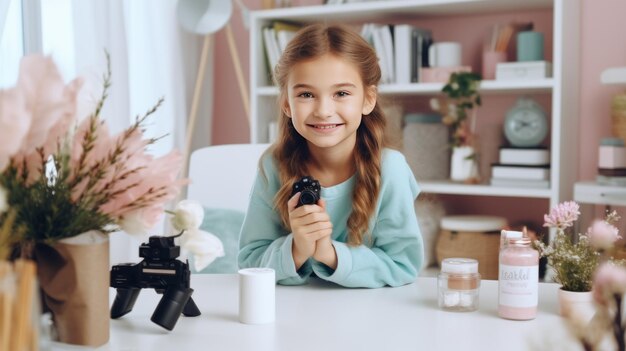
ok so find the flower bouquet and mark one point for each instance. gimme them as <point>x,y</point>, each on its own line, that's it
<point>68,183</point>
<point>574,260</point>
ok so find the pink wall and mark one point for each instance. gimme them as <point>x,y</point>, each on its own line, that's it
<point>603,45</point>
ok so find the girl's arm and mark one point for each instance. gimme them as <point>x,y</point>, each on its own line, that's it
<point>263,242</point>
<point>396,254</point>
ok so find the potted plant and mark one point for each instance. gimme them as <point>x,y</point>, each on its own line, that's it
<point>574,262</point>
<point>459,113</point>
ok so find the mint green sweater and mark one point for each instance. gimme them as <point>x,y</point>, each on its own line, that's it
<point>393,258</point>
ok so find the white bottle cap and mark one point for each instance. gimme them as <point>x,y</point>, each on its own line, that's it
<point>510,234</point>
<point>459,265</point>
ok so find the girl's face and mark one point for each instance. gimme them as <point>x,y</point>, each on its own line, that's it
<point>326,100</point>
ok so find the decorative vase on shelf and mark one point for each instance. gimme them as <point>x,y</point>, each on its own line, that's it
<point>463,164</point>
<point>74,278</point>
<point>576,305</point>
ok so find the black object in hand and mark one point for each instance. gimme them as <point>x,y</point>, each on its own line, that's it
<point>309,190</point>
<point>160,270</point>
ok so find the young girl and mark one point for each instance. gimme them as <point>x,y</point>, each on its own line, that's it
<point>363,231</point>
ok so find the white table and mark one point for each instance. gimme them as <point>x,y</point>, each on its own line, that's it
<point>322,316</point>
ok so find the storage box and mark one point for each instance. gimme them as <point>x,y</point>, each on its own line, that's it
<point>476,237</point>
<point>523,70</point>
<point>440,74</point>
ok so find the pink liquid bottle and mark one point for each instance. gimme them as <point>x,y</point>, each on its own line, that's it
<point>518,281</point>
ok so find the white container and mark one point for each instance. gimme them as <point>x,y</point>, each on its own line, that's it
<point>523,70</point>
<point>425,146</point>
<point>612,153</point>
<point>257,303</point>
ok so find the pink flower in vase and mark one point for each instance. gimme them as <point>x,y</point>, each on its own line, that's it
<point>562,215</point>
<point>602,235</point>
<point>14,124</point>
<point>51,103</point>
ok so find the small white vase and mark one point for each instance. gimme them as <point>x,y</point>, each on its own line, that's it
<point>576,306</point>
<point>463,164</point>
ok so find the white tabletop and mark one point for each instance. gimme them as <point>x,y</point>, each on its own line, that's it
<point>323,316</point>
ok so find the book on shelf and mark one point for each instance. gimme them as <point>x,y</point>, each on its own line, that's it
<point>521,183</point>
<point>275,39</point>
<point>285,31</point>
<point>525,156</point>
<point>272,51</point>
<point>504,171</point>
<point>408,52</point>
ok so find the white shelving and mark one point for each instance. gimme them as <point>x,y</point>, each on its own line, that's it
<point>563,88</point>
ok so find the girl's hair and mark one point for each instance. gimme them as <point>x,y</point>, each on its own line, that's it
<point>291,151</point>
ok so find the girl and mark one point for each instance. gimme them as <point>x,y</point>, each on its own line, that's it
<point>363,231</point>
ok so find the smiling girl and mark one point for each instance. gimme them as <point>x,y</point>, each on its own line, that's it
<point>363,231</point>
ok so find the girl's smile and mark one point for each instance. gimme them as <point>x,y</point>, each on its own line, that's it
<point>325,128</point>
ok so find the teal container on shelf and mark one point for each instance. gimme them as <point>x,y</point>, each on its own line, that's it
<point>425,145</point>
<point>529,46</point>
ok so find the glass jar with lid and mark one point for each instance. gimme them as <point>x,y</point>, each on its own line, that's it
<point>458,285</point>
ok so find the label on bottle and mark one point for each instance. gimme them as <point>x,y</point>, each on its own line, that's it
<point>518,286</point>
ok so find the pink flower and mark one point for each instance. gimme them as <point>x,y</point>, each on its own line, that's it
<point>608,281</point>
<point>47,99</point>
<point>15,121</point>
<point>602,235</point>
<point>562,215</point>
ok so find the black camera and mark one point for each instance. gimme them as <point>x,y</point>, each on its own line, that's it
<point>309,189</point>
<point>160,270</point>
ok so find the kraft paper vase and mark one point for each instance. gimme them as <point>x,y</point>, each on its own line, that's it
<point>74,278</point>
<point>576,306</point>
<point>463,164</point>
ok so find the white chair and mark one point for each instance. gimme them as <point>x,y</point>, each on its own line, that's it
<point>222,175</point>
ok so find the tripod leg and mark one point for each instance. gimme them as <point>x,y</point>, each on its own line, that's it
<point>124,301</point>
<point>191,310</point>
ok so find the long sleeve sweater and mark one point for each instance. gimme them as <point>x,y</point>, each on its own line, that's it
<point>392,255</point>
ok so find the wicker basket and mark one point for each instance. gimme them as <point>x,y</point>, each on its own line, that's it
<point>618,115</point>
<point>478,239</point>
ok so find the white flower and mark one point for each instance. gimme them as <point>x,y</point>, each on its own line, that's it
<point>204,246</point>
<point>139,222</point>
<point>434,104</point>
<point>455,86</point>
<point>4,204</point>
<point>187,215</point>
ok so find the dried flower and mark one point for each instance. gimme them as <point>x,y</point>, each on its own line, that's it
<point>63,184</point>
<point>434,104</point>
<point>610,279</point>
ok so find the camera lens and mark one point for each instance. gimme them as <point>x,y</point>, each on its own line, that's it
<point>308,198</point>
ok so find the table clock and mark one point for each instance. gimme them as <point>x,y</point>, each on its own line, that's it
<point>526,124</point>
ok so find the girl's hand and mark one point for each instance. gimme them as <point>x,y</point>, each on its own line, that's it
<point>324,249</point>
<point>309,223</point>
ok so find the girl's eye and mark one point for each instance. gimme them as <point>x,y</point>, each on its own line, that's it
<point>342,93</point>
<point>305,94</point>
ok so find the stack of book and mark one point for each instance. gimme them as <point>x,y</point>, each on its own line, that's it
<point>402,49</point>
<point>522,168</point>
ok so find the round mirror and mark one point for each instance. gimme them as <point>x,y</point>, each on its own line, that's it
<point>203,16</point>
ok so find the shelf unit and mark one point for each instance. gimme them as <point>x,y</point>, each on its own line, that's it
<point>562,89</point>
